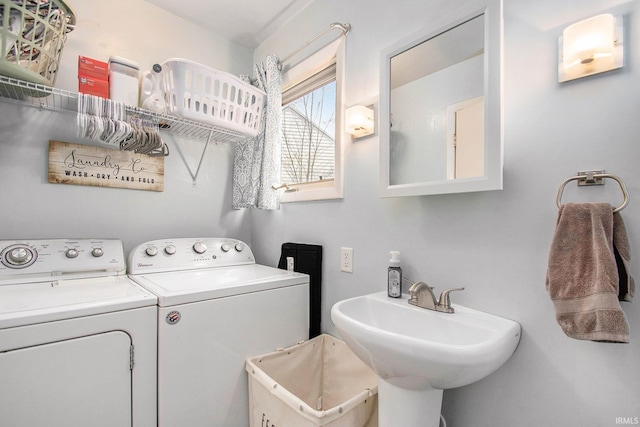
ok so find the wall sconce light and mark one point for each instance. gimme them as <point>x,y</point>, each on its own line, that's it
<point>590,47</point>
<point>359,120</point>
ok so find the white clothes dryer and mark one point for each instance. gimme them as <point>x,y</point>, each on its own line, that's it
<point>217,308</point>
<point>77,336</point>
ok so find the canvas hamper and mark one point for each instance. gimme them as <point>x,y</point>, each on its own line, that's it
<point>319,382</point>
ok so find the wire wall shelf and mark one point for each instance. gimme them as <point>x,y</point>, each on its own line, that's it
<point>36,95</point>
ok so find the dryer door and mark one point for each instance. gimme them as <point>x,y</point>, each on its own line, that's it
<point>79,382</point>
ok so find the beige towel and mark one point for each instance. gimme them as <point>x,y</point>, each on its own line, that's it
<point>583,278</point>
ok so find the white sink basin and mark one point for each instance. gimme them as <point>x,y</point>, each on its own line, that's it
<point>415,349</point>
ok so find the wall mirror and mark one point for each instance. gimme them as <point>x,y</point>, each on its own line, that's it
<point>441,106</point>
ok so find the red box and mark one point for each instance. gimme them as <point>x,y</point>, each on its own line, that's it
<point>89,67</point>
<point>91,86</point>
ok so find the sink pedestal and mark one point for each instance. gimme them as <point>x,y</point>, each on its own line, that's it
<point>399,406</point>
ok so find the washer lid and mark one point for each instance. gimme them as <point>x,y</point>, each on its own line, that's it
<point>181,287</point>
<point>29,303</point>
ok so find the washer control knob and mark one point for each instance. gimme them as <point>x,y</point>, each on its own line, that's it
<point>97,252</point>
<point>239,247</point>
<point>152,251</point>
<point>71,253</point>
<point>225,247</point>
<point>200,247</point>
<point>19,256</point>
<point>170,250</point>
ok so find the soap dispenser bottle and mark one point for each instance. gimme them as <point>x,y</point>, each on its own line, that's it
<point>394,276</point>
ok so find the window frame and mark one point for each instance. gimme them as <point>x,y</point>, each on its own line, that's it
<point>321,190</point>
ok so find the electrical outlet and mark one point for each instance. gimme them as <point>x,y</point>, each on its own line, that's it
<point>346,260</point>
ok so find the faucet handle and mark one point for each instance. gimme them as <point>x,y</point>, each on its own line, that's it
<point>444,300</point>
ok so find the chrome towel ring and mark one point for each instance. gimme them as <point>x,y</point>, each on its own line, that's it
<point>594,178</point>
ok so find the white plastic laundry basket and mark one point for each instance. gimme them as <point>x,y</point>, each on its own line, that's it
<point>319,382</point>
<point>204,94</point>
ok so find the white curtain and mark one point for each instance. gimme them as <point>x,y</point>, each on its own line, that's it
<point>257,160</point>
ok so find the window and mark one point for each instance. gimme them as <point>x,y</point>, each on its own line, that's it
<point>311,127</point>
<point>308,136</point>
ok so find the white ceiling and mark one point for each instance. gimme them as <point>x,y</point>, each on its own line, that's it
<point>246,22</point>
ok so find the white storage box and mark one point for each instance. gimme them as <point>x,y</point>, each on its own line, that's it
<point>203,94</point>
<point>124,81</point>
<point>319,382</point>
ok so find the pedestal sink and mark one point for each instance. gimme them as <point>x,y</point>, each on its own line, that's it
<point>417,353</point>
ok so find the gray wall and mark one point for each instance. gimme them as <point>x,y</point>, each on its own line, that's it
<point>494,243</point>
<point>32,208</point>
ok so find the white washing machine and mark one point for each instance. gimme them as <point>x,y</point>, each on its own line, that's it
<point>217,307</point>
<point>77,337</point>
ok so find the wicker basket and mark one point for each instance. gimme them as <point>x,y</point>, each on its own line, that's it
<point>32,35</point>
<point>203,94</point>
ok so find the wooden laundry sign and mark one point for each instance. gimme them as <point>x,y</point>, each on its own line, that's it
<point>103,167</point>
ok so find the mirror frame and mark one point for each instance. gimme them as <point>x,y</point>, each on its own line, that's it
<point>493,121</point>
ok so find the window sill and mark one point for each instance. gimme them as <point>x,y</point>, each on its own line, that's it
<point>322,190</point>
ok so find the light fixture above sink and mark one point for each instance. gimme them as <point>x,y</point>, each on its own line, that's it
<point>417,353</point>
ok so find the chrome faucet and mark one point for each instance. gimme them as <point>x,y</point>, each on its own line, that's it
<point>421,295</point>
